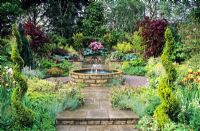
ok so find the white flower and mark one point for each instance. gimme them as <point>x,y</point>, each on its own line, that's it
<point>10,71</point>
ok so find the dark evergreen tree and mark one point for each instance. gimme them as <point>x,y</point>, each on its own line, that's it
<point>26,52</point>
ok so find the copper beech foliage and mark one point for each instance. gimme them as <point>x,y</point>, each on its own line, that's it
<point>153,34</point>
<point>36,33</point>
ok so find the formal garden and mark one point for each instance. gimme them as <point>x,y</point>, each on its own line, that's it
<point>99,65</point>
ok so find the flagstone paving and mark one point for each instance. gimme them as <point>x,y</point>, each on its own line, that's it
<point>96,115</point>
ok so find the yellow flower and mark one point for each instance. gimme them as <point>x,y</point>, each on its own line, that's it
<point>190,76</point>
<point>6,84</point>
<point>189,70</point>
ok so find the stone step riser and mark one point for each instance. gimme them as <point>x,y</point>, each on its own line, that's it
<point>96,122</point>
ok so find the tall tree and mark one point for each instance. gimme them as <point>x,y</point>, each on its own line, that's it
<point>124,14</point>
<point>9,11</point>
<point>65,15</point>
<point>94,19</point>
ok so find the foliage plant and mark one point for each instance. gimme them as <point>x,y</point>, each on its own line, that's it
<point>94,19</point>
<point>124,47</point>
<point>60,51</point>
<point>116,56</point>
<point>189,95</point>
<point>24,116</point>
<point>111,38</point>
<point>138,42</point>
<point>95,48</point>
<point>148,123</point>
<point>155,71</point>
<point>58,40</point>
<point>169,107</point>
<point>78,41</point>
<point>5,49</point>
<point>124,97</point>
<point>38,37</point>
<point>32,73</point>
<point>55,71</point>
<point>7,84</point>
<point>47,99</point>
<point>153,35</point>
<point>189,34</point>
<point>134,67</point>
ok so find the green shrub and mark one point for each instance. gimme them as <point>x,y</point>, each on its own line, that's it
<point>138,100</point>
<point>116,55</point>
<point>124,47</point>
<point>153,103</point>
<point>189,34</point>
<point>47,99</point>
<point>155,71</point>
<point>55,72</point>
<point>48,64</point>
<point>169,107</point>
<point>78,41</point>
<point>148,123</point>
<point>134,67</point>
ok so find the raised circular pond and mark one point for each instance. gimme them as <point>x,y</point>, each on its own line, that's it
<point>94,78</point>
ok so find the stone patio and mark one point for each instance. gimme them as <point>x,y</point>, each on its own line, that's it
<point>96,115</point>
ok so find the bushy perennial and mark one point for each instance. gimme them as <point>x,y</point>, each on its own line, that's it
<point>95,46</point>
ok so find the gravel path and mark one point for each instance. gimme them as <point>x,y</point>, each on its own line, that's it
<point>136,81</point>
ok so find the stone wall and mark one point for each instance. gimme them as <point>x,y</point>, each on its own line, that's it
<point>94,80</point>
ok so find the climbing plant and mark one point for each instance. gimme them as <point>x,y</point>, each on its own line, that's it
<point>169,107</point>
<point>23,115</point>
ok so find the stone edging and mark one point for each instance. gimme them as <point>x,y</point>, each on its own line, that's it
<point>93,80</point>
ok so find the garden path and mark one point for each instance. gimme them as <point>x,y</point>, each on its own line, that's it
<point>97,113</point>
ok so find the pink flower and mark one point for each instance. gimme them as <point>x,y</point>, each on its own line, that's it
<point>95,46</point>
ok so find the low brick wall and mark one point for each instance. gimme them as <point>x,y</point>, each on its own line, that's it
<point>94,80</point>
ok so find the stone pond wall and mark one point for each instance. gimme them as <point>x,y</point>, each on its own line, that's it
<point>94,80</point>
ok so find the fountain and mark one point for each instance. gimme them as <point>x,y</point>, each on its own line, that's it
<point>96,76</point>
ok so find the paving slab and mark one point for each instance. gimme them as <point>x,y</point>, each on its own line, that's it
<point>97,114</point>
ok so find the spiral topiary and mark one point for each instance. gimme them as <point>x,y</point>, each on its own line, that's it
<point>169,107</point>
<point>24,116</point>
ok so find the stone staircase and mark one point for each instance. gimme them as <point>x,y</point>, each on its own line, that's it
<point>96,115</point>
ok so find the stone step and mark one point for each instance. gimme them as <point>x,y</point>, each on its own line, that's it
<point>96,128</point>
<point>96,117</point>
<point>96,122</point>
